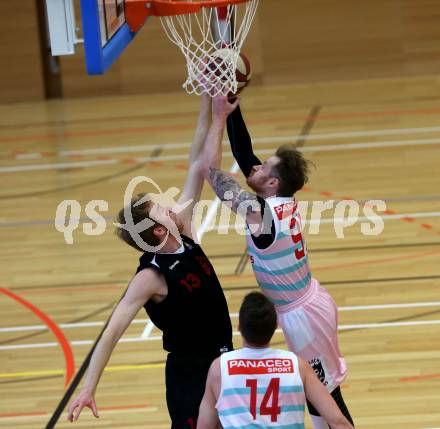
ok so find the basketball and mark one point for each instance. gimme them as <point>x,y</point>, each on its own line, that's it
<point>243,72</point>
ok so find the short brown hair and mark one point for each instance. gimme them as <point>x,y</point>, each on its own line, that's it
<point>139,212</point>
<point>258,319</point>
<point>292,170</point>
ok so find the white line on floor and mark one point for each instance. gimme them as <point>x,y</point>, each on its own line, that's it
<point>58,166</point>
<point>144,321</point>
<point>388,324</point>
<point>256,141</point>
<point>370,145</point>
<point>64,326</point>
<point>240,225</point>
<point>384,216</point>
<point>322,148</point>
<point>148,329</point>
<point>159,337</point>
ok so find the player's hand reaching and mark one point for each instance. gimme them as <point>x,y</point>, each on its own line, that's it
<point>84,399</point>
<point>222,107</point>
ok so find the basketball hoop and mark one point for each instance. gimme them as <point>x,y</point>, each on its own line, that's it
<point>209,33</point>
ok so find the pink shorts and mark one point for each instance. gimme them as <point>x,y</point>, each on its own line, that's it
<point>310,326</point>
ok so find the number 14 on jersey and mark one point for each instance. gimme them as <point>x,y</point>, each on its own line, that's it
<point>269,404</point>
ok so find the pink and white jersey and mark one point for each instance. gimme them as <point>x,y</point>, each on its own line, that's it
<point>260,388</point>
<point>282,270</point>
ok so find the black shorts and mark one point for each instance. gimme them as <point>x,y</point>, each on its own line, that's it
<point>185,378</point>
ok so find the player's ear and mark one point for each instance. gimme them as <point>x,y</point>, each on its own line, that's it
<point>274,182</point>
<point>159,231</point>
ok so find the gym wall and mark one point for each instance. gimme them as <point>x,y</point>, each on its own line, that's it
<point>292,41</point>
<point>21,72</point>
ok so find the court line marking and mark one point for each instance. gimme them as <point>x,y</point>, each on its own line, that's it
<point>43,372</point>
<point>233,315</point>
<point>178,127</point>
<point>386,216</point>
<point>115,368</point>
<point>390,306</point>
<point>257,140</point>
<point>108,410</point>
<point>409,217</point>
<point>249,276</point>
<point>58,166</point>
<point>377,261</point>
<point>136,367</point>
<point>54,328</point>
<point>24,416</point>
<point>64,326</point>
<point>388,324</point>
<point>318,148</point>
<point>235,333</point>
<point>419,377</point>
<point>148,329</point>
<point>182,115</point>
<point>242,225</point>
<point>108,150</point>
<point>369,145</point>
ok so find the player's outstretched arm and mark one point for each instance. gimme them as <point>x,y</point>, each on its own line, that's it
<point>318,395</point>
<point>202,128</point>
<point>142,287</point>
<point>212,150</point>
<point>241,143</point>
<point>226,187</point>
<point>208,418</point>
<point>194,180</point>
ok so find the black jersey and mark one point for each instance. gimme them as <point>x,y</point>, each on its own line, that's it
<point>194,316</point>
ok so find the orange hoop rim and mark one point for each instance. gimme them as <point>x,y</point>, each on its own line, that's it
<point>137,11</point>
<point>175,7</point>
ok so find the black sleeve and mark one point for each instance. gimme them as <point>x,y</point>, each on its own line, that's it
<point>264,240</point>
<point>241,143</point>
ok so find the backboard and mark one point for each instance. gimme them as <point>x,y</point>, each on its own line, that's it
<point>105,31</point>
<point>199,27</point>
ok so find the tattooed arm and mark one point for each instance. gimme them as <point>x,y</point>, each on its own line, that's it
<point>240,201</point>
<point>227,189</point>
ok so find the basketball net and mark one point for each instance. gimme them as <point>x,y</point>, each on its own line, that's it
<point>211,40</point>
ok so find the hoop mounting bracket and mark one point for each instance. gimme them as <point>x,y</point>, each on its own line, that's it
<point>137,12</point>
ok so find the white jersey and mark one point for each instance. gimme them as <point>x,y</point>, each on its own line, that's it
<point>282,270</point>
<point>306,312</point>
<point>260,388</point>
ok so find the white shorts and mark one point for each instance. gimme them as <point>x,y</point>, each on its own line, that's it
<point>310,326</point>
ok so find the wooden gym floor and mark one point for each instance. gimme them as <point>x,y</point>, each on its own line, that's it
<point>368,139</point>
